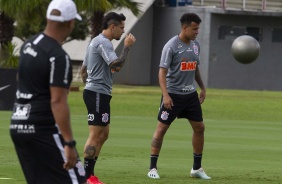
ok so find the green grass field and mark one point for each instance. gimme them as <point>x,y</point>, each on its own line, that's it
<point>242,139</point>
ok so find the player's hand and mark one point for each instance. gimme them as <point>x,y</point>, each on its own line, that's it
<point>71,157</point>
<point>168,103</point>
<point>202,96</point>
<point>129,40</point>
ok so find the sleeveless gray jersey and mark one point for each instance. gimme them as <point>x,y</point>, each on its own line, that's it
<point>181,60</point>
<point>100,54</point>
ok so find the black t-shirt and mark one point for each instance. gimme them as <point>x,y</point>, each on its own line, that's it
<point>43,63</point>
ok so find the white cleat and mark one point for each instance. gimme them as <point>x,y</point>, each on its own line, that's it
<point>200,173</point>
<point>153,173</point>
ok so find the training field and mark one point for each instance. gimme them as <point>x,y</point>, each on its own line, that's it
<point>243,139</point>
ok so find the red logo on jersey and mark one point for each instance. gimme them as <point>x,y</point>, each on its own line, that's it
<point>188,66</point>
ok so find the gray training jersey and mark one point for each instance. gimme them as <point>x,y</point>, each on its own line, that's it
<point>181,60</point>
<point>100,54</point>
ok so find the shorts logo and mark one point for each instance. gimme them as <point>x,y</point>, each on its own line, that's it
<point>90,117</point>
<point>105,117</point>
<point>80,168</point>
<point>164,115</point>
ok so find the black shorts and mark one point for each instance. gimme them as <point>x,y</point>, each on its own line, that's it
<point>98,107</point>
<point>41,155</point>
<point>185,106</point>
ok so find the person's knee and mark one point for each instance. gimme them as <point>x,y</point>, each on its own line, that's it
<point>198,127</point>
<point>104,137</point>
<point>161,130</point>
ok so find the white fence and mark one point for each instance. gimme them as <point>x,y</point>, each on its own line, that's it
<point>264,5</point>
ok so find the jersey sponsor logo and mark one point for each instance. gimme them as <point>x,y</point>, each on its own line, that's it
<point>23,128</point>
<point>188,88</point>
<point>29,50</point>
<point>164,115</point>
<point>21,111</point>
<point>23,95</point>
<point>188,66</point>
<point>66,69</point>
<point>180,52</point>
<point>166,56</point>
<point>104,53</point>
<point>189,50</point>
<point>4,87</point>
<point>105,117</point>
<point>91,117</point>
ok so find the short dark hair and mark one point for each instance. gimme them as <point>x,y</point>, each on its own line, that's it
<point>188,18</point>
<point>112,18</point>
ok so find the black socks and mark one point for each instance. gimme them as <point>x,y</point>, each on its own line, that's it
<point>154,159</point>
<point>197,161</point>
<point>89,165</point>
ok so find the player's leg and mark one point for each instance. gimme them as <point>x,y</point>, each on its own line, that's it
<point>197,142</point>
<point>195,117</point>
<point>157,142</point>
<point>165,118</point>
<point>98,106</point>
<point>156,146</point>
<point>24,153</point>
<point>97,137</point>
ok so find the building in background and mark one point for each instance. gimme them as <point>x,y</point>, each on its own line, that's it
<point>222,22</point>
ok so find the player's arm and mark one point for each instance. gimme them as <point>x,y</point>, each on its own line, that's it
<point>200,83</point>
<point>83,73</point>
<point>119,62</point>
<point>61,114</point>
<point>168,103</point>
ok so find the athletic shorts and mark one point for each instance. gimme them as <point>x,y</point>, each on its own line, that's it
<point>42,156</point>
<point>185,106</point>
<point>98,107</point>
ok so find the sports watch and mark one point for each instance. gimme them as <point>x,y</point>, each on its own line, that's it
<point>70,144</point>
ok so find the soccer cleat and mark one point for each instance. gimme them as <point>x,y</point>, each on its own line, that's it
<point>200,173</point>
<point>153,173</point>
<point>93,180</point>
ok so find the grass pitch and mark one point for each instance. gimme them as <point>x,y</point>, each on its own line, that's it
<point>242,139</point>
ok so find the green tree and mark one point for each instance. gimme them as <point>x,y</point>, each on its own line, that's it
<point>30,17</point>
<point>96,12</point>
<point>6,34</point>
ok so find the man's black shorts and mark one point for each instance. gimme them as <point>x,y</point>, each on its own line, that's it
<point>42,156</point>
<point>185,106</point>
<point>98,106</point>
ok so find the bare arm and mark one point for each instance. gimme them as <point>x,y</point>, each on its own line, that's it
<point>200,83</point>
<point>61,114</point>
<point>83,73</point>
<point>118,64</point>
<point>168,103</point>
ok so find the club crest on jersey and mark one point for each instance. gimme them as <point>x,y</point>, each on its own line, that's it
<point>164,115</point>
<point>105,117</point>
<point>196,49</point>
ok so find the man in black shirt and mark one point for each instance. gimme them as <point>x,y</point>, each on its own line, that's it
<point>40,123</point>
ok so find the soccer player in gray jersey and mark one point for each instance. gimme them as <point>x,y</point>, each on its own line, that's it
<point>178,71</point>
<point>97,70</point>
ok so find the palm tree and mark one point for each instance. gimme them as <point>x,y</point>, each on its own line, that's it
<point>30,16</point>
<point>96,12</point>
